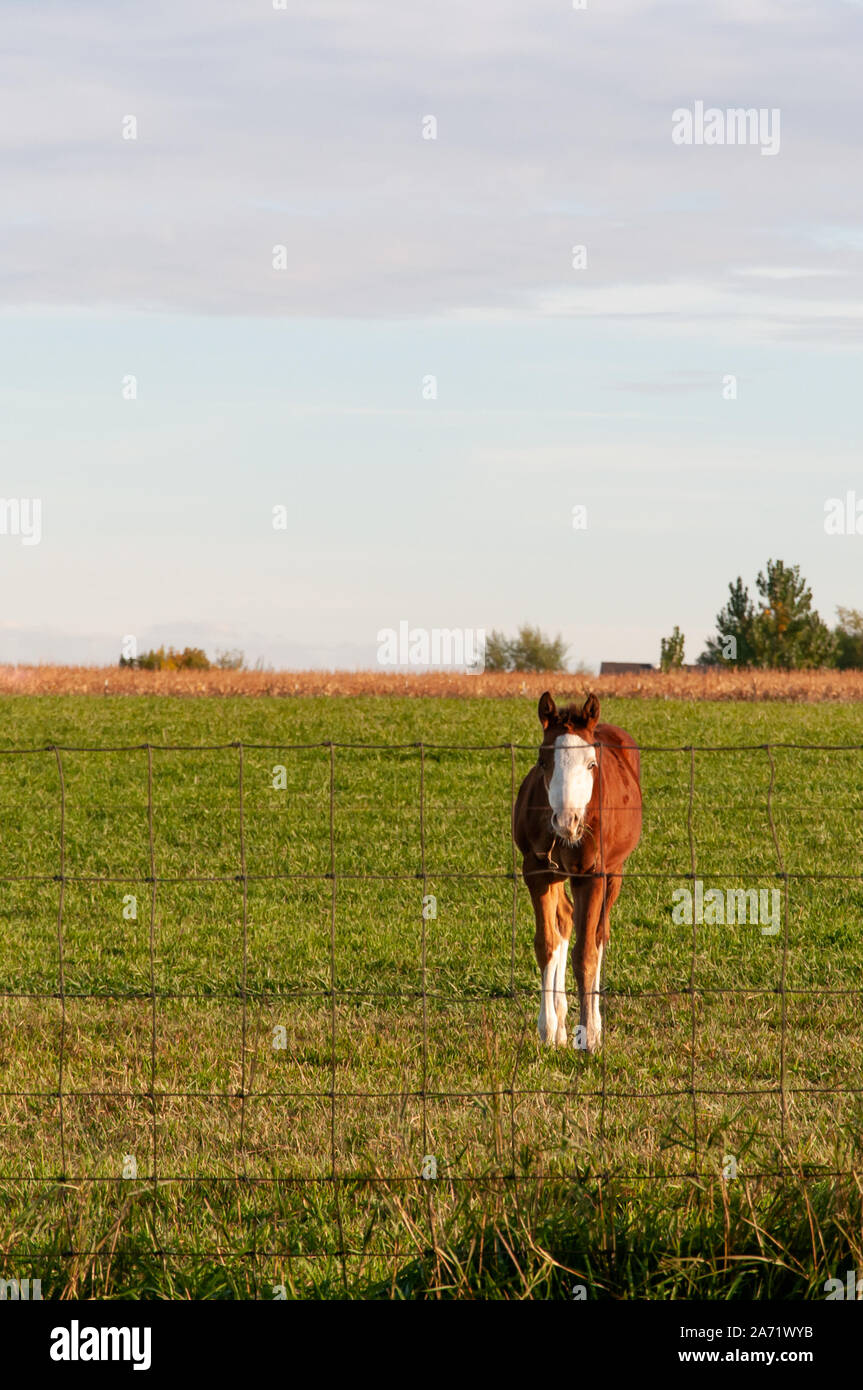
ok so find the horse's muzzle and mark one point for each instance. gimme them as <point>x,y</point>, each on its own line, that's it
<point>568,827</point>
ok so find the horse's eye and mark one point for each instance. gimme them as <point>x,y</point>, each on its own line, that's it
<point>591,766</point>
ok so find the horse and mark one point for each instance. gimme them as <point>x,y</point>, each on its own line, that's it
<point>577,816</point>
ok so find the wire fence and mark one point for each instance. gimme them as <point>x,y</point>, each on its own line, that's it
<point>601,1091</point>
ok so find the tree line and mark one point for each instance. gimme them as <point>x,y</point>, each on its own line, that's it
<point>189,659</point>
<point>777,629</point>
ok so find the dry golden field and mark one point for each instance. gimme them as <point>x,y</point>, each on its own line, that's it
<point>724,684</point>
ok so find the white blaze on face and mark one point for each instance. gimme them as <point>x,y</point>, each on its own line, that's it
<point>571,785</point>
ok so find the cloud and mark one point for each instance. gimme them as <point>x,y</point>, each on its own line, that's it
<point>303,128</point>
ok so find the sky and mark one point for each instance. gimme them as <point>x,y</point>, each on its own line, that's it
<point>421,377</point>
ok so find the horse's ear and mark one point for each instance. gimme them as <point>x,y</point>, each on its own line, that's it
<point>547,709</point>
<point>590,711</point>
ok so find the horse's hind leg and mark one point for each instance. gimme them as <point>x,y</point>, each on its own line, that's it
<point>594,899</point>
<point>603,932</point>
<point>564,927</point>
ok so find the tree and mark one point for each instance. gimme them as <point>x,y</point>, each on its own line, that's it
<point>192,659</point>
<point>496,652</point>
<point>531,650</point>
<point>789,634</point>
<point>231,660</point>
<point>849,639</point>
<point>160,659</point>
<point>734,640</point>
<point>783,633</point>
<point>671,650</point>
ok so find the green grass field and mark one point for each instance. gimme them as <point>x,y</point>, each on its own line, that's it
<point>408,1037</point>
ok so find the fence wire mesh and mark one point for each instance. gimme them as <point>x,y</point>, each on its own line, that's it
<point>504,1097</point>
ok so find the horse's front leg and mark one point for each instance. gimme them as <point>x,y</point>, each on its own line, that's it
<point>564,927</point>
<point>588,895</point>
<point>549,945</point>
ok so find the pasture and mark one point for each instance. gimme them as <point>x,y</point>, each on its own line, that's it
<point>292,914</point>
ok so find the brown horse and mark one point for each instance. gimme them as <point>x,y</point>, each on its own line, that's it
<point>577,816</point>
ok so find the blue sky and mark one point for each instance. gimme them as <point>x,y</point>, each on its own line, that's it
<point>408,257</point>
